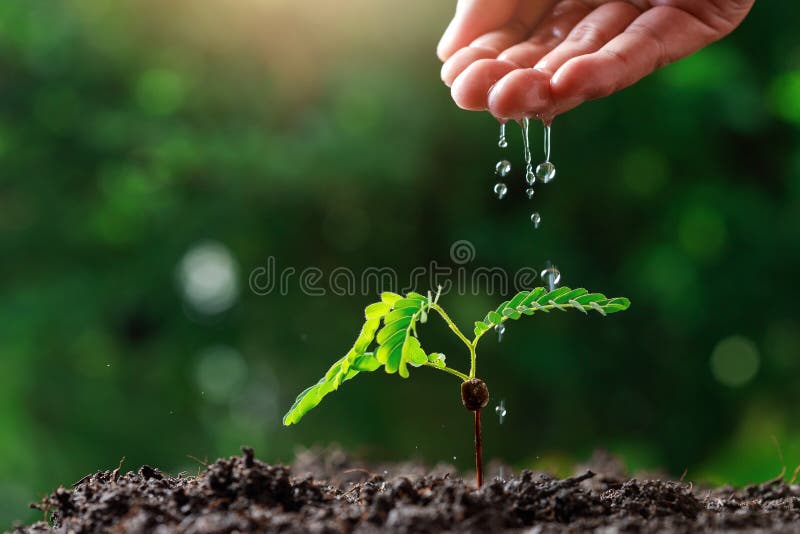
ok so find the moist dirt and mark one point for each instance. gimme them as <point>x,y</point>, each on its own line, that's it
<point>327,492</point>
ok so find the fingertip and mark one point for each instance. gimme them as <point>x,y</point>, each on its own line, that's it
<point>521,93</point>
<point>446,48</point>
<point>463,59</point>
<point>470,89</point>
<point>582,78</point>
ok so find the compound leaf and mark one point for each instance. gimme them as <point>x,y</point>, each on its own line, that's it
<point>397,347</point>
<point>542,300</point>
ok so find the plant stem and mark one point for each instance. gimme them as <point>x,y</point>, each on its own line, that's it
<point>472,359</point>
<point>478,449</point>
<point>450,370</point>
<point>451,324</point>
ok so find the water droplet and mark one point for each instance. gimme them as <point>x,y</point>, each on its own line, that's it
<point>172,412</point>
<point>502,142</point>
<point>503,167</point>
<point>545,172</point>
<point>500,329</point>
<point>500,190</point>
<point>108,365</point>
<point>552,276</point>
<point>530,176</point>
<point>529,192</point>
<point>536,219</point>
<point>454,458</point>
<point>526,143</point>
<point>501,411</point>
<point>547,142</point>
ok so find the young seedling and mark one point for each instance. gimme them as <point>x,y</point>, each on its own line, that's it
<point>392,325</point>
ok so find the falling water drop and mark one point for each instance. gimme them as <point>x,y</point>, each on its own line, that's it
<point>501,411</point>
<point>526,150</point>
<point>529,192</point>
<point>500,190</point>
<point>503,167</point>
<point>546,171</point>
<point>530,176</point>
<point>502,142</point>
<point>536,219</point>
<point>552,276</point>
<point>500,329</point>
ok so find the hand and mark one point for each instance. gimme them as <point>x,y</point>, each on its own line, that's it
<point>521,58</point>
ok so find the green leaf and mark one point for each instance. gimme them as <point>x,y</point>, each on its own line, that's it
<point>396,349</point>
<point>480,328</point>
<point>390,298</point>
<point>377,310</point>
<point>542,300</point>
<point>392,328</point>
<point>310,397</point>
<point>437,359</point>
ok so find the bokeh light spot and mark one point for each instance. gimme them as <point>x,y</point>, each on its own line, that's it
<point>207,276</point>
<point>220,373</point>
<point>734,361</point>
<point>784,96</point>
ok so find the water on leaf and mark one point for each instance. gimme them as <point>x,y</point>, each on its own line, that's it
<point>500,190</point>
<point>536,219</point>
<point>551,276</point>
<point>529,192</point>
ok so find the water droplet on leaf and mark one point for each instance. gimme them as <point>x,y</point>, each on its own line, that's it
<point>530,176</point>
<point>500,190</point>
<point>552,276</point>
<point>536,219</point>
<point>529,192</point>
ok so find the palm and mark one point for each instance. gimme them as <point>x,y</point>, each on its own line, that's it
<point>542,57</point>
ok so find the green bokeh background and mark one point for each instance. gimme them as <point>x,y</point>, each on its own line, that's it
<point>317,133</point>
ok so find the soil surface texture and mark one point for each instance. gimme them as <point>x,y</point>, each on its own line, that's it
<point>326,492</point>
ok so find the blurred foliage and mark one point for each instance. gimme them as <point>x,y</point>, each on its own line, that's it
<point>153,154</point>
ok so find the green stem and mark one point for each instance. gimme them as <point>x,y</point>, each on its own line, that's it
<point>451,324</point>
<point>472,359</point>
<point>446,369</point>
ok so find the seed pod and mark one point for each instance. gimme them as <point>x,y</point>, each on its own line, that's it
<point>474,394</point>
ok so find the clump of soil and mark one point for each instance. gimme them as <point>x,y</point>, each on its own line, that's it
<point>245,495</point>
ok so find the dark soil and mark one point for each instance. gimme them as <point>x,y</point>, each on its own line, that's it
<point>327,493</point>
